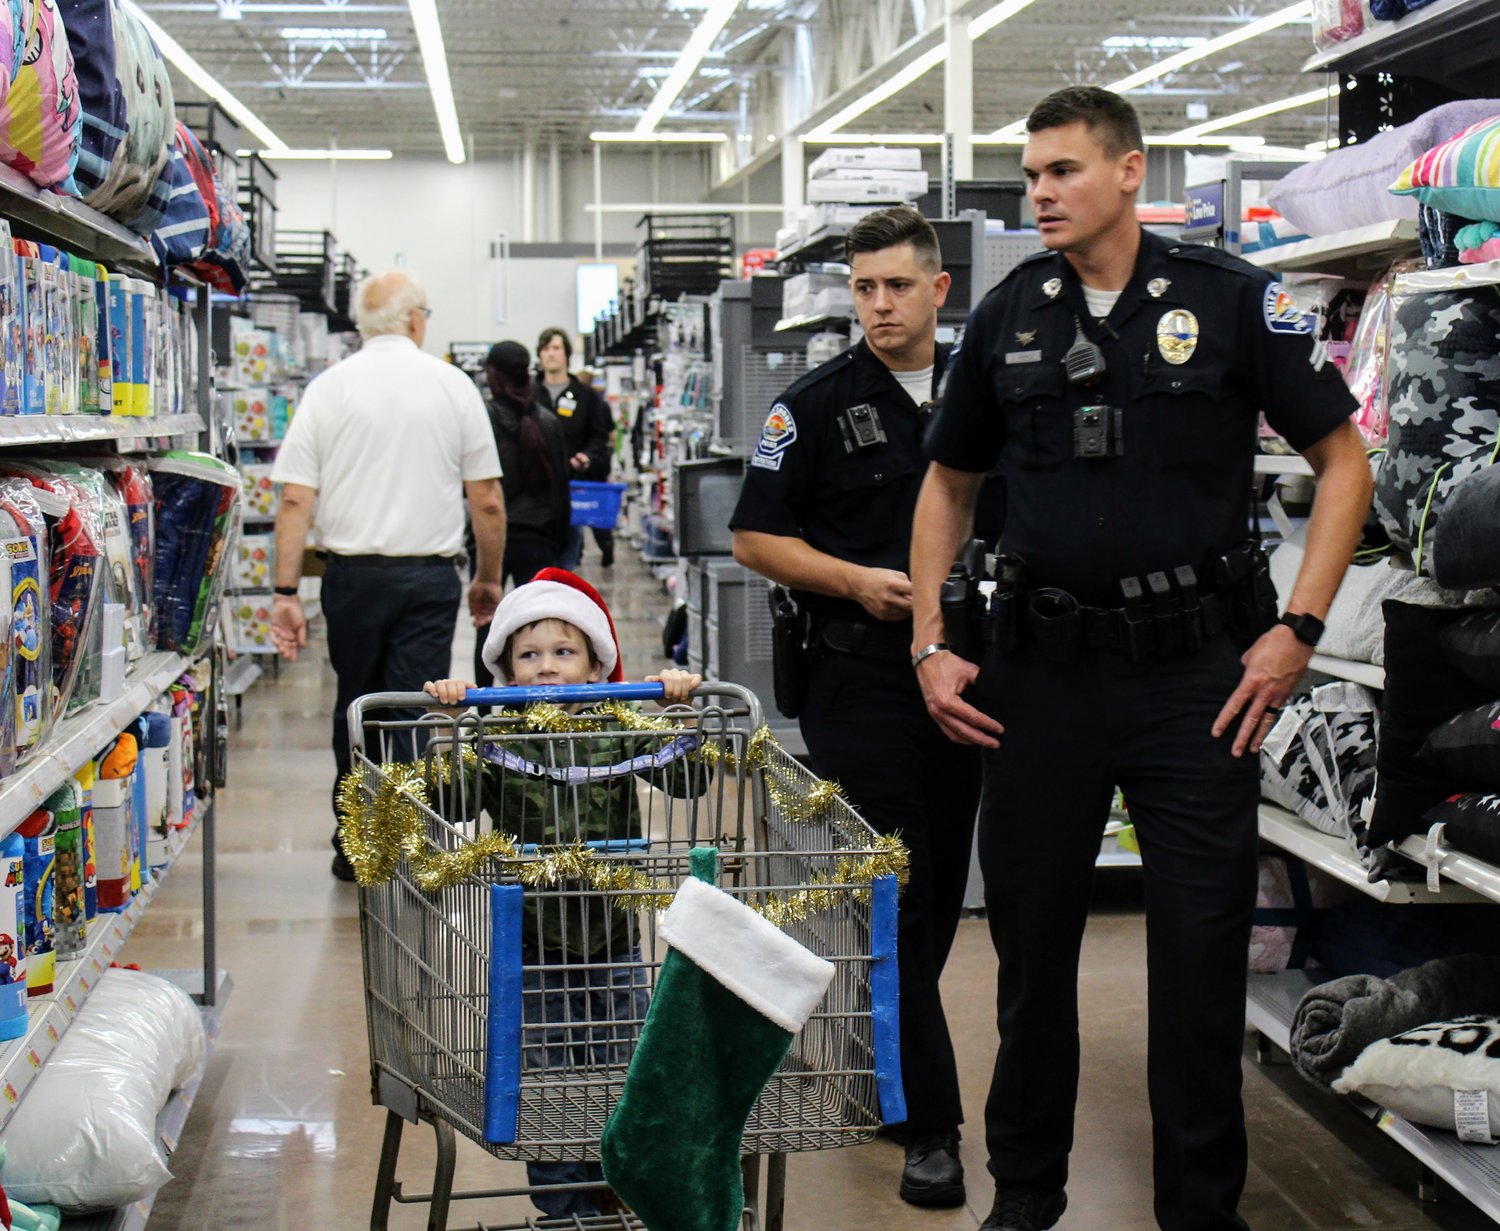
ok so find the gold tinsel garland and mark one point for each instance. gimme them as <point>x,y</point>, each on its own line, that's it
<point>378,827</point>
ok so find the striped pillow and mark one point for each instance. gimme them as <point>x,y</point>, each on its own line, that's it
<point>1461,176</point>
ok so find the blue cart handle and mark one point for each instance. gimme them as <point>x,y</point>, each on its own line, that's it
<point>565,694</point>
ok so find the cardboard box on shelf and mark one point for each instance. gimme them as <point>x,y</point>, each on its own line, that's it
<point>871,157</point>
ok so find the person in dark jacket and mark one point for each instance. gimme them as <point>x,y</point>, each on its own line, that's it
<point>588,425</point>
<point>534,461</point>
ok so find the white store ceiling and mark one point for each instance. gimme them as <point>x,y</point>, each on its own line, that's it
<point>347,73</point>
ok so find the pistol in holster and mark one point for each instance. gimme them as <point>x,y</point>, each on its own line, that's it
<point>1243,577</point>
<point>963,603</point>
<point>789,652</point>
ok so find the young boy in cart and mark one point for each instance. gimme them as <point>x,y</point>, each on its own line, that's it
<point>556,630</point>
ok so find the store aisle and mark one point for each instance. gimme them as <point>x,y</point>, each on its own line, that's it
<point>283,1136</point>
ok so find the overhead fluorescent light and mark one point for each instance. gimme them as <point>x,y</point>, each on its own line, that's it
<point>1322,94</point>
<point>917,69</point>
<point>1300,11</point>
<point>1152,42</point>
<point>350,155</point>
<point>631,137</point>
<point>715,17</point>
<point>202,78</point>
<point>334,34</point>
<point>435,61</point>
<point>992,17</point>
<point>1019,138</point>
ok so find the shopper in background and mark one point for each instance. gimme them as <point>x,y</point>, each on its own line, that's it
<point>826,510</point>
<point>534,461</point>
<point>1131,462</point>
<point>590,429</point>
<point>384,449</point>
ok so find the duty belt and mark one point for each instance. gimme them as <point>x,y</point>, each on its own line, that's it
<point>886,642</point>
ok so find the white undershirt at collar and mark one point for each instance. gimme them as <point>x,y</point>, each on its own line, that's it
<point>918,384</point>
<point>1100,303</point>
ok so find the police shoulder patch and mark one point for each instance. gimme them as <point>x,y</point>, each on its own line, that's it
<point>1281,313</point>
<point>778,434</point>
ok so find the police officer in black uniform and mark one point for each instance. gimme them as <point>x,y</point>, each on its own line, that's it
<point>1118,378</point>
<point>826,510</point>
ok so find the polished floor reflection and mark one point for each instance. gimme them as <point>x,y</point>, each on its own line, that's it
<point>284,1136</point>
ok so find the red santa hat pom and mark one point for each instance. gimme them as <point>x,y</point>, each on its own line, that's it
<point>556,594</point>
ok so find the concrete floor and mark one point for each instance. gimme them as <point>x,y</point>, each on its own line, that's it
<point>283,1136</point>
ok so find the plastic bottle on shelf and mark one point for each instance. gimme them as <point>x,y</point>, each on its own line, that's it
<point>70,926</point>
<point>85,780</point>
<point>114,826</point>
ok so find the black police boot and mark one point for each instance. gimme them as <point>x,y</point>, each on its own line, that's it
<point>1025,1211</point>
<point>342,868</point>
<point>933,1175</point>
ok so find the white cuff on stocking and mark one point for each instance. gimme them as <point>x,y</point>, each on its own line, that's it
<point>777,977</point>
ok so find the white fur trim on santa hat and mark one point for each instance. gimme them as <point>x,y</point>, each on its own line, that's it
<point>550,600</point>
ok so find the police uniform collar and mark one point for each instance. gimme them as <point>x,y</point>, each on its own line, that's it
<point>873,377</point>
<point>1150,265</point>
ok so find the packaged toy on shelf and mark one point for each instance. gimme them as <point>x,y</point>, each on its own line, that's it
<point>39,832</point>
<point>252,416</point>
<point>13,937</point>
<point>12,325</point>
<point>76,537</point>
<point>24,541</point>
<point>181,777</point>
<point>29,283</point>
<point>132,482</point>
<point>84,777</point>
<point>197,519</point>
<point>70,926</point>
<point>260,493</point>
<point>252,623</point>
<point>114,823</point>
<point>254,561</point>
<point>8,666</point>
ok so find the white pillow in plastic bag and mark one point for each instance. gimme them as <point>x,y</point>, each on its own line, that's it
<point>84,1137</point>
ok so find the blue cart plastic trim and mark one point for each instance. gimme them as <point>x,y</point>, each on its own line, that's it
<point>565,694</point>
<point>885,999</point>
<point>502,1068</point>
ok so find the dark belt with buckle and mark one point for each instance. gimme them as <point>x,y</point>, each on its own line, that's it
<point>397,561</point>
<point>886,642</point>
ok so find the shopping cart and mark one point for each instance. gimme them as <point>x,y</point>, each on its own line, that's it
<point>603,821</point>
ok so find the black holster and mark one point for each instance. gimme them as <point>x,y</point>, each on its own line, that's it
<point>963,604</point>
<point>1243,576</point>
<point>788,652</point>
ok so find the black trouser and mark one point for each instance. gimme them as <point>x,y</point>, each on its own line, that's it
<point>1072,734</point>
<point>867,729</point>
<point>390,629</point>
<point>524,559</point>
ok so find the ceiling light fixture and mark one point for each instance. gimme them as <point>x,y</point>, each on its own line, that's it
<point>1300,11</point>
<point>842,138</point>
<point>715,17</point>
<point>435,61</point>
<point>631,137</point>
<point>203,79</point>
<point>1319,95</point>
<point>916,69</point>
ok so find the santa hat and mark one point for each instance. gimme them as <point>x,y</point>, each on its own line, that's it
<point>556,594</point>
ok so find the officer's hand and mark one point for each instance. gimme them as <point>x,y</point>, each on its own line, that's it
<point>1273,665</point>
<point>885,593</point>
<point>943,676</point>
<point>288,626</point>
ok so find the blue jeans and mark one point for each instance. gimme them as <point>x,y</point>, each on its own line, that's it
<point>574,1021</point>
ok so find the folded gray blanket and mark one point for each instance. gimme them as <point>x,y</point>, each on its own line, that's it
<point>1336,1021</point>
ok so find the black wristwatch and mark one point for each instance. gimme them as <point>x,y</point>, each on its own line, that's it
<point>1308,629</point>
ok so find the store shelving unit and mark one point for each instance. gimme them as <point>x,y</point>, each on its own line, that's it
<point>1452,865</point>
<point>1473,1171</point>
<point>1359,252</point>
<point>1453,41</point>
<point>76,739</point>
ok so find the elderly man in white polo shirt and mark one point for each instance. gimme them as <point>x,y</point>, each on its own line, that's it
<point>382,452</point>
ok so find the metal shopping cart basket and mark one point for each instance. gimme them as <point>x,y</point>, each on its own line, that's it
<point>588,819</point>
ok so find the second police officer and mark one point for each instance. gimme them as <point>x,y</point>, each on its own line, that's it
<point>826,510</point>
<point>1119,376</point>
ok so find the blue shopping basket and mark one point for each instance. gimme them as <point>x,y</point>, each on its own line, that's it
<point>596,504</point>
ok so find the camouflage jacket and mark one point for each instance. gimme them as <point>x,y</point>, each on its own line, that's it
<point>541,792</point>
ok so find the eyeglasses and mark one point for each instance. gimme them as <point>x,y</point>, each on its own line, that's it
<point>426,312</point>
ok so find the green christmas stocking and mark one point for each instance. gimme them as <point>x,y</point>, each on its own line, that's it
<point>732,991</point>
